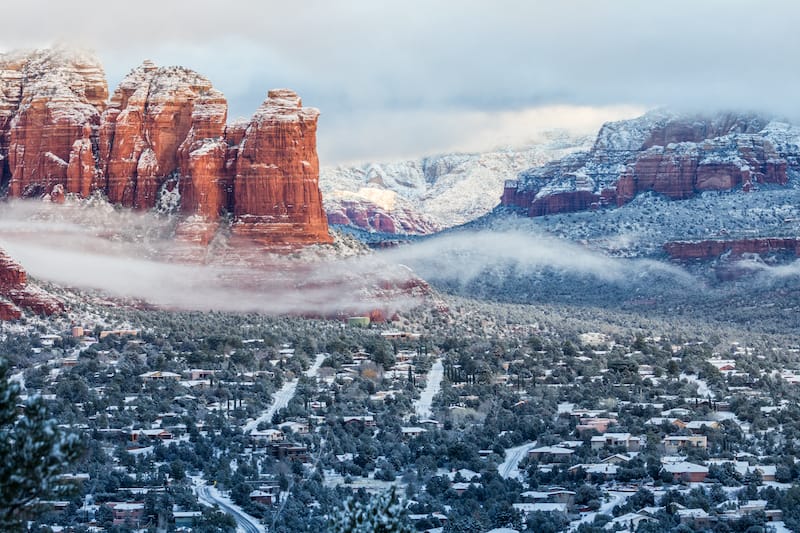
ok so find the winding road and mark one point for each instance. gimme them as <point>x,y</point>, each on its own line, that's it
<point>282,398</point>
<point>509,469</point>
<point>244,522</point>
<point>432,388</point>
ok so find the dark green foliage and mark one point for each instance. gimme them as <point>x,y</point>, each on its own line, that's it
<point>383,514</point>
<point>34,451</point>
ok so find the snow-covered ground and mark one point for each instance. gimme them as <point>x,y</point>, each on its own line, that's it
<point>702,387</point>
<point>432,387</point>
<point>282,398</point>
<point>211,496</point>
<point>19,377</point>
<point>642,226</point>
<point>615,498</point>
<point>509,468</point>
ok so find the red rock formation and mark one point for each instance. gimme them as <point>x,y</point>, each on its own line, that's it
<point>372,217</point>
<point>16,294</point>
<point>202,157</point>
<point>162,126</point>
<point>712,249</point>
<point>563,202</point>
<point>157,116</point>
<point>46,100</point>
<point>81,168</point>
<point>276,188</point>
<point>671,155</point>
<point>680,173</point>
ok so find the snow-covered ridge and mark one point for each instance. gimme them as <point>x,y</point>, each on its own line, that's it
<point>728,139</point>
<point>439,191</point>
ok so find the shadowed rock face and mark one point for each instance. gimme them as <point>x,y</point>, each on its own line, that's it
<point>162,128</point>
<point>16,294</point>
<point>712,249</point>
<point>674,155</point>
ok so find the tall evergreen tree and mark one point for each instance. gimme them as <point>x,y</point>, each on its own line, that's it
<point>34,452</point>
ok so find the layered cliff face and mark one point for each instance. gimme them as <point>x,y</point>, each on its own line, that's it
<point>156,120</point>
<point>49,101</point>
<point>669,154</point>
<point>16,294</point>
<point>276,191</point>
<point>164,129</point>
<point>712,249</point>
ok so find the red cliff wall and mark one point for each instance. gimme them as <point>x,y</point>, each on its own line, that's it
<point>16,294</point>
<point>276,188</point>
<point>161,127</point>
<point>47,99</point>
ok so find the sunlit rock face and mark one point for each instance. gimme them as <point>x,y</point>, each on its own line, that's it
<point>49,100</point>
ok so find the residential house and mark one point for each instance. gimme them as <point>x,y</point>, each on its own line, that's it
<point>697,518</point>
<point>551,453</point>
<point>126,512</point>
<point>553,495</point>
<point>624,440</point>
<point>299,427</point>
<point>698,426</point>
<point>675,443</point>
<point>411,432</point>
<point>628,522</point>
<point>267,436</point>
<point>598,424</point>
<point>160,434</point>
<point>160,376</point>
<point>186,519</point>
<point>684,471</point>
<point>367,420</point>
<point>605,470</point>
<point>266,494</point>
<point>528,508</point>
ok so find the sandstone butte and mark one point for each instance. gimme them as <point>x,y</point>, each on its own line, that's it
<point>16,294</point>
<point>162,129</point>
<point>672,155</point>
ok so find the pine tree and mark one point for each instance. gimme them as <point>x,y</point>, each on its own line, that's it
<point>383,514</point>
<point>34,452</point>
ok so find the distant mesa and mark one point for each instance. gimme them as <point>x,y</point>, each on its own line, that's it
<point>16,294</point>
<point>678,156</point>
<point>162,134</point>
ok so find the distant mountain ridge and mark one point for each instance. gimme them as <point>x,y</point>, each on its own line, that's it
<point>423,196</point>
<point>664,152</point>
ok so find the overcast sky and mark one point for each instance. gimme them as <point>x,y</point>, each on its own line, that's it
<point>396,79</point>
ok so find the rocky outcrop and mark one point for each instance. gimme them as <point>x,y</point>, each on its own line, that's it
<point>161,138</point>
<point>372,217</point>
<point>276,187</point>
<point>735,248</point>
<point>672,155</point>
<point>16,294</point>
<point>47,100</point>
<point>156,119</point>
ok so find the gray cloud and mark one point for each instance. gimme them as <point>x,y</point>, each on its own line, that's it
<point>357,59</point>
